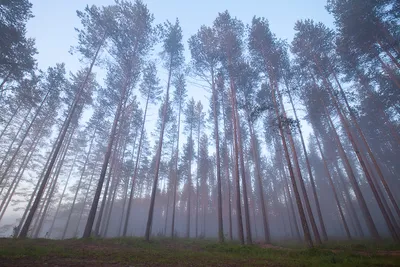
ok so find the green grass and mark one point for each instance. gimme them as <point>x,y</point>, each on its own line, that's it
<point>180,252</point>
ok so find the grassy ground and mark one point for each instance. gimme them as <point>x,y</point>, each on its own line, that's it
<point>183,252</point>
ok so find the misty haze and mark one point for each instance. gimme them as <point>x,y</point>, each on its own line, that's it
<point>199,133</point>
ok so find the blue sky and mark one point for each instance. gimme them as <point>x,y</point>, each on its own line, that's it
<point>55,20</point>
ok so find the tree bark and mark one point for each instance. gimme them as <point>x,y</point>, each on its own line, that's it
<point>333,189</point>
<point>79,184</point>
<point>25,228</point>
<point>321,220</point>
<point>158,158</point>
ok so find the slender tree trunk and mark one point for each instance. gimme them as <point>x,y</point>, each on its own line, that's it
<point>307,235</point>
<point>21,142</point>
<point>371,155</point>
<point>237,177</point>
<point>79,184</point>
<point>249,238</point>
<point>12,143</point>
<point>36,188</point>
<point>18,176</point>
<point>394,60</point>
<point>62,195</point>
<point>257,172</point>
<point>22,167</point>
<point>25,228</point>
<point>10,120</point>
<point>301,181</point>
<point>51,192</point>
<point>48,189</point>
<point>362,163</point>
<point>290,200</point>
<point>288,213</point>
<point>93,209</point>
<point>135,172</point>
<point>353,180</point>
<point>189,186</point>
<point>83,204</point>
<point>158,158</point>
<point>105,194</point>
<point>321,220</point>
<point>218,158</point>
<point>333,189</point>
<point>349,202</point>
<point>197,175</point>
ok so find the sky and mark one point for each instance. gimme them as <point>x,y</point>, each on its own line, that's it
<point>55,20</point>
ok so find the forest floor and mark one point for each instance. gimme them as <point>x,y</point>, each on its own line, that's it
<point>190,252</point>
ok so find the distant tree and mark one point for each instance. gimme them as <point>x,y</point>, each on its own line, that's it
<point>173,56</point>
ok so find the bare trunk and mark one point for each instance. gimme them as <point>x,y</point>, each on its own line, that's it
<point>62,195</point>
<point>25,228</point>
<point>10,120</point>
<point>79,184</point>
<point>12,143</point>
<point>93,209</point>
<point>237,177</point>
<point>158,159</point>
<point>21,142</point>
<point>321,220</point>
<point>371,155</point>
<point>333,189</point>
<point>353,180</point>
<point>51,193</point>
<point>135,172</point>
<point>218,158</point>
<point>257,171</point>
<point>176,174</point>
<point>307,235</point>
<point>83,204</point>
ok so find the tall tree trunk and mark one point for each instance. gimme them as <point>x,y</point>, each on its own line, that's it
<point>51,192</point>
<point>93,209</point>
<point>333,189</point>
<point>362,162</point>
<point>79,184</point>
<point>307,235</point>
<point>22,167</point>
<point>218,158</point>
<point>62,195</point>
<point>83,204</point>
<point>135,172</point>
<point>12,143</point>
<point>189,187</point>
<point>158,158</point>
<point>105,193</point>
<point>353,180</point>
<point>366,145</point>
<point>17,178</point>
<point>348,201</point>
<point>10,120</point>
<point>301,181</point>
<point>36,187</point>
<point>249,238</point>
<point>197,175</point>
<point>237,177</point>
<point>257,172</point>
<point>25,228</point>
<point>321,220</point>
<point>21,142</point>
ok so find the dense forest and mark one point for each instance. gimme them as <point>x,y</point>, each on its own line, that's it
<point>299,140</point>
